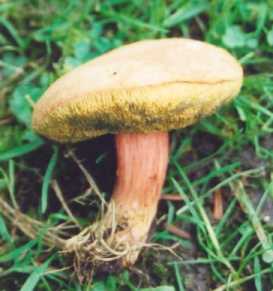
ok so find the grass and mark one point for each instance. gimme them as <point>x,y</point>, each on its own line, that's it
<point>230,152</point>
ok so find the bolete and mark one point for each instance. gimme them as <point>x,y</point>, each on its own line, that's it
<point>137,92</point>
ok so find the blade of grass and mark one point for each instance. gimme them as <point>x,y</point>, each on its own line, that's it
<point>47,179</point>
<point>205,219</point>
<point>132,21</point>
<point>4,233</point>
<point>21,150</point>
<point>33,279</point>
<point>13,32</point>
<point>187,12</point>
<point>241,281</point>
<point>240,193</point>
<point>178,277</point>
<point>17,253</point>
<point>258,279</point>
<point>12,183</point>
<point>9,182</point>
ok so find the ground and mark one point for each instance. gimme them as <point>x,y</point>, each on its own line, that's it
<point>225,160</point>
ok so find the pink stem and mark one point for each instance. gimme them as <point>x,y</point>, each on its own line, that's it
<point>142,161</point>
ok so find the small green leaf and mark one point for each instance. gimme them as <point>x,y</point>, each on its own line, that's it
<point>234,37</point>
<point>99,286</point>
<point>81,50</point>
<point>20,105</point>
<point>252,43</point>
<point>12,64</point>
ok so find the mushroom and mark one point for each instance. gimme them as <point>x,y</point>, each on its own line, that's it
<point>138,92</point>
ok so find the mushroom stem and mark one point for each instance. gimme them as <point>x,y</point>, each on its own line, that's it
<point>122,231</point>
<point>142,161</point>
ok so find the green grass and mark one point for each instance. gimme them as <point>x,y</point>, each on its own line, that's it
<point>231,151</point>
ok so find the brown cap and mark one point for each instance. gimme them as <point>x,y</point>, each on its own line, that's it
<point>151,85</point>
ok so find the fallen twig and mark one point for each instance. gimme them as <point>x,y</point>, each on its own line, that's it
<point>178,231</point>
<point>88,177</point>
<point>31,227</point>
<point>59,195</point>
<point>218,204</point>
<point>171,197</point>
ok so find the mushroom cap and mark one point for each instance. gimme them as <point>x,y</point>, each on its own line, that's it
<point>150,85</point>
